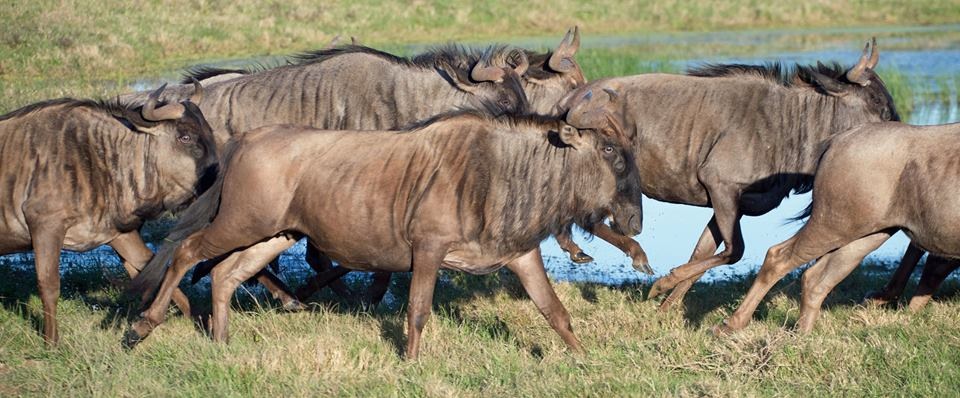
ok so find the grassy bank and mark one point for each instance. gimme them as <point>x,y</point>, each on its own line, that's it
<point>68,47</point>
<point>486,338</point>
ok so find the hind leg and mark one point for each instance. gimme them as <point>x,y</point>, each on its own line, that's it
<point>707,245</point>
<point>812,241</point>
<point>894,288</point>
<point>936,270</point>
<point>215,240</point>
<point>829,270</point>
<point>228,275</point>
<point>135,254</point>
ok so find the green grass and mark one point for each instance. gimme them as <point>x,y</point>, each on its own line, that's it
<point>486,338</point>
<point>77,48</point>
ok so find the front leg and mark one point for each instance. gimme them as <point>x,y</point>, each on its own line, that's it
<point>934,272</point>
<point>47,238</point>
<point>565,240</point>
<point>724,198</point>
<point>627,245</point>
<point>706,246</point>
<point>529,269</point>
<point>426,266</point>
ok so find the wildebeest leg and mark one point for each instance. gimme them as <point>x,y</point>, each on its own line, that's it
<point>565,240</point>
<point>381,282</point>
<point>934,272</point>
<point>135,254</point>
<point>205,244</point>
<point>47,238</point>
<point>278,289</point>
<point>627,245</point>
<point>225,278</point>
<point>529,269</point>
<point>727,217</point>
<point>894,288</point>
<point>829,270</point>
<point>812,241</point>
<point>706,246</point>
<point>426,265</point>
<point>327,275</point>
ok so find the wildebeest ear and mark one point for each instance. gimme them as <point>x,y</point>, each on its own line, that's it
<point>517,60</point>
<point>562,58</point>
<point>572,137</point>
<point>828,85</point>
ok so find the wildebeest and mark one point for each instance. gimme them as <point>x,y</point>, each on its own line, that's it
<point>737,138</point>
<point>355,87</point>
<point>865,191</point>
<point>78,174</point>
<point>463,192</point>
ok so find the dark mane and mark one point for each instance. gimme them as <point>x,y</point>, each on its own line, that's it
<point>114,108</point>
<point>527,120</point>
<point>203,72</point>
<point>772,71</point>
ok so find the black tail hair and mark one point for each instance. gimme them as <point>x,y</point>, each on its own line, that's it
<point>194,218</point>
<point>803,215</point>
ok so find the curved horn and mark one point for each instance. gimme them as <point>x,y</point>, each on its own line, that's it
<point>518,60</point>
<point>855,74</point>
<point>482,73</point>
<point>148,108</point>
<point>197,95</point>
<point>612,93</point>
<point>151,113</point>
<point>560,60</point>
<point>874,54</point>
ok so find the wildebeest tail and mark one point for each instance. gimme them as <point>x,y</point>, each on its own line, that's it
<point>194,218</point>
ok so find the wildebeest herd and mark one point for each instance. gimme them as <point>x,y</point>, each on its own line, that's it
<point>467,159</point>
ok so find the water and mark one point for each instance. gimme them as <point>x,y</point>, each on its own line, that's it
<point>927,56</point>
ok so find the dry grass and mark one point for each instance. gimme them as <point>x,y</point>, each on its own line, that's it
<point>486,338</point>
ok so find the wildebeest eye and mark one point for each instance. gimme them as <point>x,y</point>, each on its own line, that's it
<point>184,139</point>
<point>505,102</point>
<point>608,149</point>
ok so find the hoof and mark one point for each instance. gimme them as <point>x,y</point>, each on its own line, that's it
<point>581,258</point>
<point>294,306</point>
<point>660,287</point>
<point>643,266</point>
<point>877,299</point>
<point>722,330</point>
<point>131,338</point>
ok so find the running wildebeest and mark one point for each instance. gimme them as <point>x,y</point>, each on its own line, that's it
<point>737,138</point>
<point>355,87</point>
<point>462,191</point>
<point>78,174</point>
<point>865,191</point>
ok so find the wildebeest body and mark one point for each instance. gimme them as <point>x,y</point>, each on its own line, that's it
<point>467,192</point>
<point>873,180</point>
<point>79,174</point>
<point>737,138</point>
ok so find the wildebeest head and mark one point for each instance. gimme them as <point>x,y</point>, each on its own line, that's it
<point>597,106</point>
<point>494,81</point>
<point>624,182</point>
<point>552,75</point>
<point>859,85</point>
<point>186,151</point>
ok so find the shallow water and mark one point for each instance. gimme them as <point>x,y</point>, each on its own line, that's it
<point>927,56</point>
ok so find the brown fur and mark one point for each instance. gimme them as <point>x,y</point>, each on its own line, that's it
<point>79,174</point>
<point>871,162</point>
<point>734,138</point>
<point>463,192</point>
